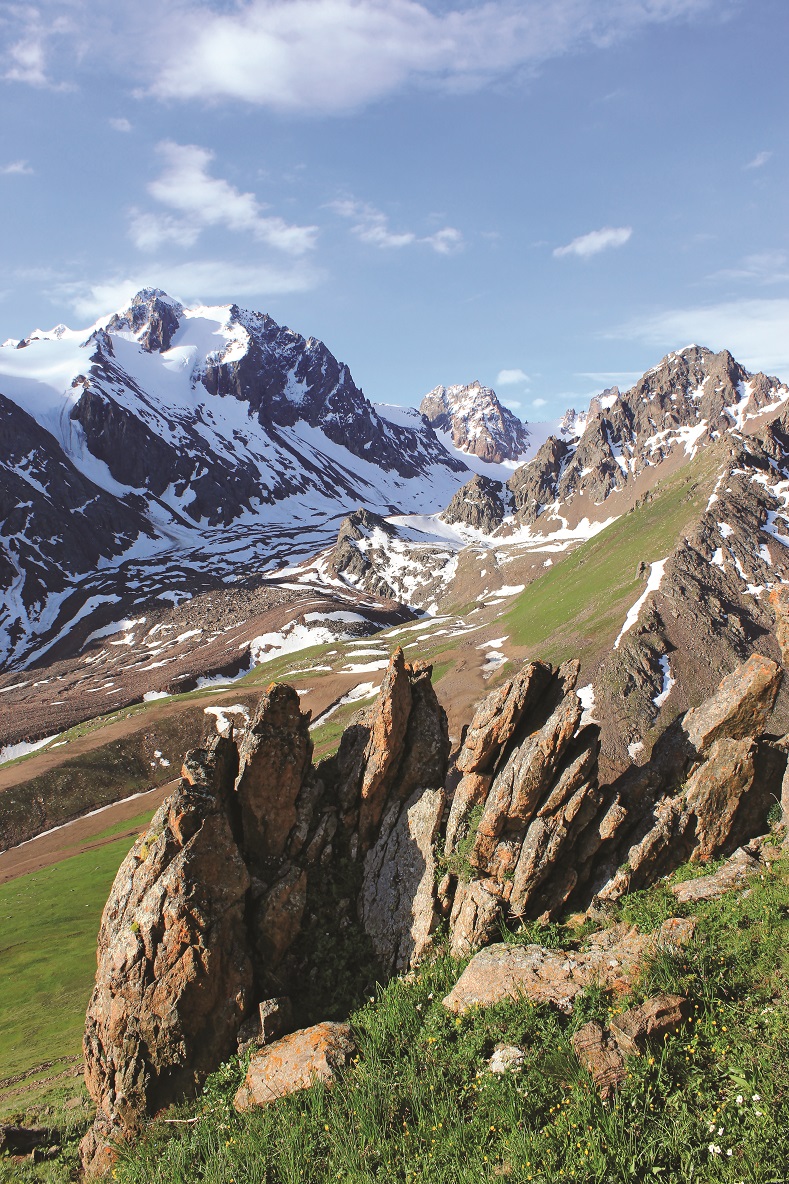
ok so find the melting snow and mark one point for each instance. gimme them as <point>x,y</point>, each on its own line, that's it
<point>224,723</point>
<point>12,751</point>
<point>364,690</point>
<point>668,682</point>
<point>586,696</point>
<point>653,583</point>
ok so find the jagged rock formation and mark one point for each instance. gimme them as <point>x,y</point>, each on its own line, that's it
<point>476,421</point>
<point>209,908</point>
<point>206,910</point>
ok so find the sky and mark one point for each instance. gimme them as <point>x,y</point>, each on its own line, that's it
<point>545,195</point>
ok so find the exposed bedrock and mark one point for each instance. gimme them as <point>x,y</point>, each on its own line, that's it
<point>216,907</point>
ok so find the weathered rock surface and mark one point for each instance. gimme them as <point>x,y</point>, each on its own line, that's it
<point>174,976</point>
<point>733,874</point>
<point>600,1056</point>
<point>533,972</point>
<point>207,911</point>
<point>654,1019</point>
<point>296,1062</point>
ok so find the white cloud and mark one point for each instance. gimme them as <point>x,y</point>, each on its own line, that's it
<point>120,124</point>
<point>764,267</point>
<point>29,34</point>
<point>538,403</point>
<point>327,56</point>
<point>595,241</point>
<point>759,160</point>
<point>16,168</point>
<point>204,280</point>
<point>202,201</point>
<point>511,377</point>
<point>371,225</point>
<point>445,242</point>
<point>756,332</point>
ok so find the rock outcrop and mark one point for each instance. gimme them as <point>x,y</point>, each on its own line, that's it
<point>174,976</point>
<point>214,908</point>
<point>207,910</point>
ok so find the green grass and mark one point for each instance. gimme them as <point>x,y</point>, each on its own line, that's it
<point>578,606</point>
<point>48,925</point>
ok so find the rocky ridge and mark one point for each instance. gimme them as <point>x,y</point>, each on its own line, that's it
<point>211,905</point>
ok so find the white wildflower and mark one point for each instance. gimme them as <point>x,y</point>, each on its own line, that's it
<point>714,1149</point>
<point>739,1099</point>
<point>756,1098</point>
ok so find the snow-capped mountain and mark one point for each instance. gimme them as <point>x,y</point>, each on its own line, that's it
<point>473,421</point>
<point>168,447</point>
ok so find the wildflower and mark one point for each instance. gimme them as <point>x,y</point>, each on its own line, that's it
<point>714,1149</point>
<point>756,1098</point>
<point>739,1099</point>
<point>720,1130</point>
<point>729,1152</point>
<point>711,1127</point>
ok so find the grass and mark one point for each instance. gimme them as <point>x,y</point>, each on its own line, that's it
<point>578,605</point>
<point>48,925</point>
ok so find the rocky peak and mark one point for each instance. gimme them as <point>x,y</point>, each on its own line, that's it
<point>476,421</point>
<point>481,504</point>
<point>152,316</point>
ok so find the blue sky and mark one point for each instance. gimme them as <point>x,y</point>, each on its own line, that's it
<point>546,195</point>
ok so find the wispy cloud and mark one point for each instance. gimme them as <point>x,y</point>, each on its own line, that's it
<point>30,36</point>
<point>120,124</point>
<point>755,331</point>
<point>201,201</point>
<point>759,160</point>
<point>16,168</point>
<point>763,267</point>
<point>335,55</point>
<point>511,377</point>
<point>539,403</point>
<point>371,225</point>
<point>203,280</point>
<point>595,241</point>
<point>322,56</point>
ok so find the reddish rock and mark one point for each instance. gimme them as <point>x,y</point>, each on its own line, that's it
<point>600,1056</point>
<point>274,758</point>
<point>739,708</point>
<point>733,874</point>
<point>174,976</point>
<point>654,1019</point>
<point>294,1063</point>
<point>714,792</point>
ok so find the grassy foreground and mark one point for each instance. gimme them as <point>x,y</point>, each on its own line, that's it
<point>419,1104</point>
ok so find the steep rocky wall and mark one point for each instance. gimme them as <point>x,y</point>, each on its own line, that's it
<point>216,906</point>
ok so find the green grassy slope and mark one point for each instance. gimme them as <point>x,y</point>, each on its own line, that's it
<point>578,606</point>
<point>48,926</point>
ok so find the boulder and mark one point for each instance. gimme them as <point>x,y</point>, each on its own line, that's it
<point>507,1058</point>
<point>733,874</point>
<point>739,708</point>
<point>601,1058</point>
<point>294,1063</point>
<point>654,1019</point>
<point>612,959</point>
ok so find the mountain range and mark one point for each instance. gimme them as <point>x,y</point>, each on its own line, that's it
<point>185,492</point>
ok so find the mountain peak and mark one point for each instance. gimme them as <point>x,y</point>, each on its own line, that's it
<point>152,316</point>
<point>476,421</point>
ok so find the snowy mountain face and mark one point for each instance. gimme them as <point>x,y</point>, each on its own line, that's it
<point>168,448</point>
<point>476,422</point>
